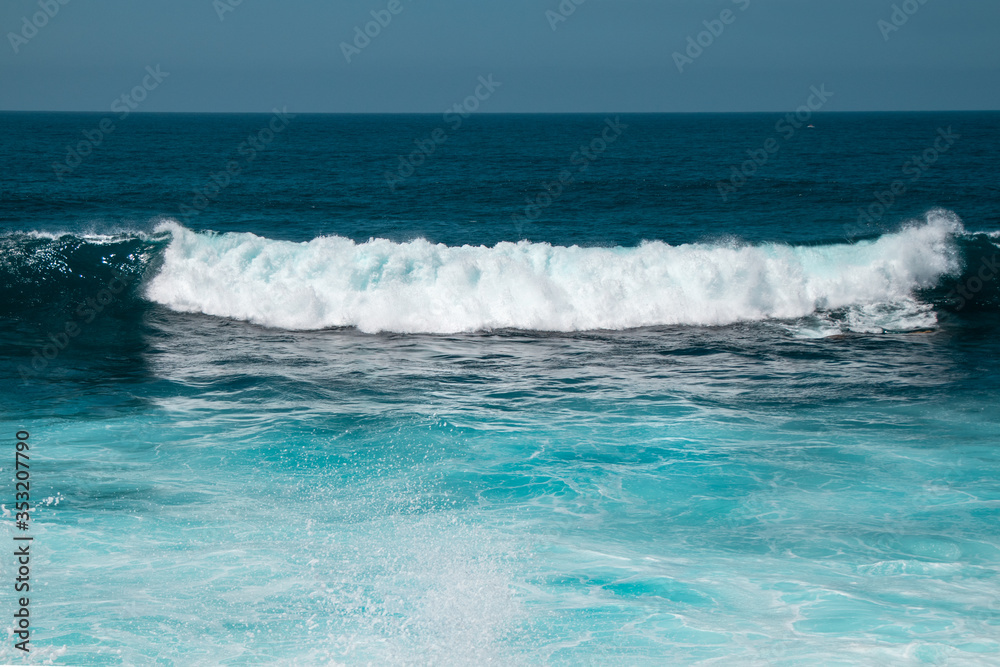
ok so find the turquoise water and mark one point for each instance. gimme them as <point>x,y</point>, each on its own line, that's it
<point>775,446</point>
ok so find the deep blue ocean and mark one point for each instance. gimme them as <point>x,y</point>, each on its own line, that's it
<point>524,389</point>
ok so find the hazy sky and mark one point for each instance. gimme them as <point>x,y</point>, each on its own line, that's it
<point>607,55</point>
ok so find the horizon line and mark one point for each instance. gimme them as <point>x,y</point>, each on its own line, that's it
<point>499,113</point>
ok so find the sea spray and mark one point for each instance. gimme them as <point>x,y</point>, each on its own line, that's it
<point>420,286</point>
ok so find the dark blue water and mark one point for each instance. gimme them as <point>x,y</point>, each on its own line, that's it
<point>658,180</point>
<point>634,389</point>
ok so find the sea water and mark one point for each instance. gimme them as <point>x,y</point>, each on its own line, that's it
<point>294,398</point>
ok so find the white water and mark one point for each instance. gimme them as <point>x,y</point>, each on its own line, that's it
<point>419,286</point>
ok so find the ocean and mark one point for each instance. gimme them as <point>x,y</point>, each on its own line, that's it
<point>502,389</point>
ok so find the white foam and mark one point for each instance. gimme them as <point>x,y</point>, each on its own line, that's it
<point>419,286</point>
<point>93,238</point>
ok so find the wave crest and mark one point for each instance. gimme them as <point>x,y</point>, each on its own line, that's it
<point>419,286</point>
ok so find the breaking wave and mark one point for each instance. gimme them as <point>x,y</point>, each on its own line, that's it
<point>419,286</point>
<point>900,281</point>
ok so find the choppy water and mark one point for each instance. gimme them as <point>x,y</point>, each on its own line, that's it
<point>324,422</point>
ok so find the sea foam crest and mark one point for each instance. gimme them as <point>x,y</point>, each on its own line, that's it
<point>420,286</point>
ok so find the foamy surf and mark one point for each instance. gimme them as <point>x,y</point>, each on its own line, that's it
<point>421,287</point>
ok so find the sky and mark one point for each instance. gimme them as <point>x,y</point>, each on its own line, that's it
<point>543,55</point>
